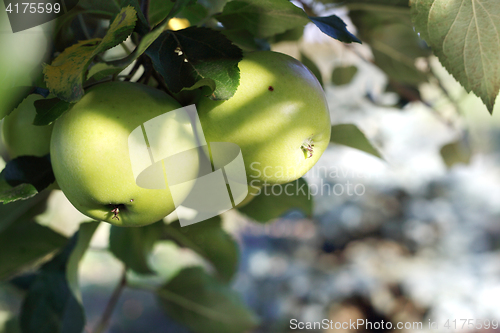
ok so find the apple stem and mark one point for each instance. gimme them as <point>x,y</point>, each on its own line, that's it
<point>308,148</point>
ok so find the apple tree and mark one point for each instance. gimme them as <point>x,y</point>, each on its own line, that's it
<point>179,53</point>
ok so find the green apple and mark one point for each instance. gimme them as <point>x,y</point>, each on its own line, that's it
<point>20,136</point>
<point>278,116</point>
<point>21,53</point>
<point>90,153</point>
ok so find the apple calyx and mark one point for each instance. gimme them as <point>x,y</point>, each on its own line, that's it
<point>308,148</point>
<point>116,210</point>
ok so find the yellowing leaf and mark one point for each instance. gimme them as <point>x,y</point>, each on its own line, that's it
<point>465,36</point>
<point>66,74</point>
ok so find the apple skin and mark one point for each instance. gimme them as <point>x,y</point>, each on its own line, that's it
<point>90,154</point>
<point>278,112</point>
<point>20,136</point>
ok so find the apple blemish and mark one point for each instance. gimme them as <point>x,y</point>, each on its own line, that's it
<point>270,88</point>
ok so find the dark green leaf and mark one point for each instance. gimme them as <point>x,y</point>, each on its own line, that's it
<point>44,92</point>
<point>343,75</point>
<point>48,110</point>
<point>351,136</point>
<point>312,67</point>
<point>204,304</point>
<point>22,209</point>
<point>50,305</point>
<point>133,245</point>
<point>24,282</point>
<point>142,26</point>
<point>33,170</point>
<point>194,13</point>
<point>273,201</point>
<point>193,57</point>
<point>158,10</point>
<point>262,18</point>
<point>149,38</point>
<point>108,6</point>
<point>394,44</point>
<point>246,41</point>
<point>291,35</point>
<point>208,239</point>
<point>381,5</point>
<point>334,27</point>
<point>25,241</point>
<point>179,5</point>
<point>457,152</point>
<point>101,70</point>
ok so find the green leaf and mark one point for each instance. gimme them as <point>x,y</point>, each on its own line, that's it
<point>197,55</point>
<point>194,13</point>
<point>291,35</point>
<point>50,305</point>
<point>458,152</point>
<point>158,10</point>
<point>48,110</point>
<point>273,201</point>
<point>85,233</point>
<point>179,5</point>
<point>22,209</point>
<point>312,67</point>
<point>106,6</point>
<point>394,44</point>
<point>350,135</point>
<point>375,5</point>
<point>25,241</point>
<point>133,245</point>
<point>10,193</point>
<point>142,26</point>
<point>33,170</point>
<point>245,40</point>
<point>262,18</point>
<point>204,304</point>
<point>149,38</point>
<point>209,240</point>
<point>334,27</point>
<point>101,70</point>
<point>464,35</point>
<point>343,75</point>
<point>65,76</point>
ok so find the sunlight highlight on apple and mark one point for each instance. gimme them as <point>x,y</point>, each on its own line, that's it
<point>157,164</point>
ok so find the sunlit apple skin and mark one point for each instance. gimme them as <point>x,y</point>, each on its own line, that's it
<point>278,116</point>
<point>90,156</point>
<point>20,136</point>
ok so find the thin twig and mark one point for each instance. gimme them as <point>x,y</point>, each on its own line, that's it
<point>108,312</point>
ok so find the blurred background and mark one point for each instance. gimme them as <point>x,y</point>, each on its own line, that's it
<point>415,240</point>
